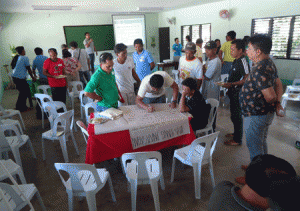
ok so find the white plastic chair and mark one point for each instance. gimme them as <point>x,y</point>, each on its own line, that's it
<point>13,143</point>
<point>11,122</point>
<point>44,89</point>
<point>76,87</point>
<point>83,101</point>
<point>9,113</point>
<point>197,154</point>
<point>43,98</point>
<point>93,106</point>
<point>14,199</point>
<point>83,129</point>
<point>13,169</point>
<point>214,104</point>
<point>84,180</point>
<point>296,82</point>
<point>61,133</point>
<point>143,168</point>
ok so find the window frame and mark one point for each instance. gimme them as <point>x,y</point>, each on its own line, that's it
<point>190,32</point>
<point>270,33</point>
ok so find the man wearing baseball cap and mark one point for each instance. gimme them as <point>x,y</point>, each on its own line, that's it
<point>189,67</point>
<point>213,72</point>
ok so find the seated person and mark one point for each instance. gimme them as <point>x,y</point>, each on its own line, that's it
<point>193,102</point>
<point>152,90</point>
<point>262,171</point>
<point>102,87</point>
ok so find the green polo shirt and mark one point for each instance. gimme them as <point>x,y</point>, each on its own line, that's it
<point>104,85</point>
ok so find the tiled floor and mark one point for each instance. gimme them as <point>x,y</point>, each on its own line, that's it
<point>178,195</point>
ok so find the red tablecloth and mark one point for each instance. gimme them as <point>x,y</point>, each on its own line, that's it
<point>112,145</point>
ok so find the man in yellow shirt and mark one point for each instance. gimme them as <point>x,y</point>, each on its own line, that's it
<point>228,59</point>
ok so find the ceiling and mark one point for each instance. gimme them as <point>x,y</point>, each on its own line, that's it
<point>107,6</point>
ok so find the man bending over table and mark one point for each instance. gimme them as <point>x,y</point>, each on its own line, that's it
<point>152,90</point>
<point>102,87</point>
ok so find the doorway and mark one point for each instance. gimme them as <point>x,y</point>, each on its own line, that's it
<point>164,43</point>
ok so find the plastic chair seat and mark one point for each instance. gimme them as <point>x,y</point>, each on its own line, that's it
<point>13,140</point>
<point>9,113</point>
<point>12,122</point>
<point>13,169</point>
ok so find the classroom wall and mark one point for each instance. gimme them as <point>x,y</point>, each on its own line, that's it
<point>45,31</point>
<point>242,14</point>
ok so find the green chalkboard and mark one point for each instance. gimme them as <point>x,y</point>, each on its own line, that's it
<point>103,35</point>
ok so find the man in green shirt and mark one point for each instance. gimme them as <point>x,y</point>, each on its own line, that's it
<point>102,87</point>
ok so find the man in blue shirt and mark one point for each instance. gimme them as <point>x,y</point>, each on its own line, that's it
<point>177,47</point>
<point>143,60</point>
<point>38,63</point>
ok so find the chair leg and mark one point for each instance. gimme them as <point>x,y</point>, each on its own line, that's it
<point>21,175</point>
<point>133,184</point>
<point>81,112</point>
<point>111,189</point>
<point>162,182</point>
<point>197,179</point>
<point>173,169</point>
<point>154,188</point>
<point>22,121</point>
<point>31,147</point>
<point>70,201</point>
<point>63,146</point>
<point>40,200</point>
<point>43,149</point>
<point>17,156</point>
<point>91,201</point>
<point>74,142</point>
<point>43,126</point>
<point>211,172</point>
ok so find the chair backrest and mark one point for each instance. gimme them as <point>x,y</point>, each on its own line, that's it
<point>12,195</point>
<point>66,119</point>
<point>92,105</point>
<point>83,129</point>
<point>49,108</point>
<point>296,82</point>
<point>84,99</point>
<point>141,158</point>
<point>44,89</point>
<point>43,98</point>
<point>9,127</point>
<point>214,104</point>
<point>80,175</point>
<point>76,86</point>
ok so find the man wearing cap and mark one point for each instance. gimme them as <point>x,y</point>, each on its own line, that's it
<point>228,59</point>
<point>260,175</point>
<point>213,72</point>
<point>198,54</point>
<point>189,66</point>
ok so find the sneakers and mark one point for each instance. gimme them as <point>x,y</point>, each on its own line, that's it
<point>231,143</point>
<point>297,144</point>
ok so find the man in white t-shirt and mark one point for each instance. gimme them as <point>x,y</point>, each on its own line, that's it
<point>90,49</point>
<point>190,66</point>
<point>152,90</point>
<point>83,58</point>
<point>125,73</point>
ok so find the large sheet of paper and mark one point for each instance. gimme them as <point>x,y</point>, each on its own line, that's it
<point>167,122</point>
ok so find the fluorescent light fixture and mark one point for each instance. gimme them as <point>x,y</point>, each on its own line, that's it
<point>149,9</point>
<point>45,7</point>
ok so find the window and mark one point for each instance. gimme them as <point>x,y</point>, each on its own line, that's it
<point>196,31</point>
<point>285,34</point>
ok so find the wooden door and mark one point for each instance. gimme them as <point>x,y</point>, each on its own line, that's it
<point>164,43</point>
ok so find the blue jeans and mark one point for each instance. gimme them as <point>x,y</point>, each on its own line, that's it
<point>256,131</point>
<point>226,67</point>
<point>101,108</point>
<point>92,61</point>
<point>86,75</point>
<point>161,99</point>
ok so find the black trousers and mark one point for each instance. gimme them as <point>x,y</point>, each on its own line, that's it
<point>24,93</point>
<point>236,116</point>
<point>59,94</point>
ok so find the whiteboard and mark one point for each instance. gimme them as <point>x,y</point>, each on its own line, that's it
<point>127,28</point>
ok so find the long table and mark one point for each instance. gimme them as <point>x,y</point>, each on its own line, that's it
<point>115,137</point>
